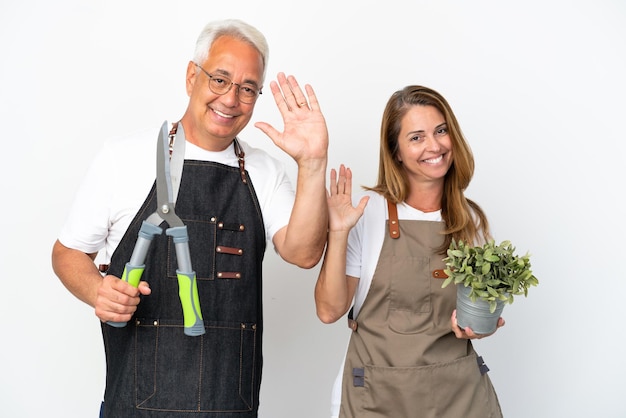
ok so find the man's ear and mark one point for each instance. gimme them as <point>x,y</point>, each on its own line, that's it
<point>190,79</point>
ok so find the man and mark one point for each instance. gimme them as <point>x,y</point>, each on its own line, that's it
<point>232,199</point>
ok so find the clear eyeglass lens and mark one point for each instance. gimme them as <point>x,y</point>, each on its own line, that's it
<point>222,85</point>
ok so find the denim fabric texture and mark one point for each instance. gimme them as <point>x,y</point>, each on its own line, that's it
<point>153,368</point>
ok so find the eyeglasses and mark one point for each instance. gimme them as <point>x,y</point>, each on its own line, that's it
<point>220,84</point>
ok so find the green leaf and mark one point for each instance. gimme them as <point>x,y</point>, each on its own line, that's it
<point>486,267</point>
<point>492,258</point>
<point>456,253</point>
<point>492,291</point>
<point>492,306</point>
<point>458,278</point>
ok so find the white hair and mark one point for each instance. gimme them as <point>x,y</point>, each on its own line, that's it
<point>235,28</point>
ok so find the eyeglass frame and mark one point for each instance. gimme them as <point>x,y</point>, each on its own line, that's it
<point>227,79</point>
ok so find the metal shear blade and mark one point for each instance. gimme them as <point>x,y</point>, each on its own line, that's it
<point>166,208</point>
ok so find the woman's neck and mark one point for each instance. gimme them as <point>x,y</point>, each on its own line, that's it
<point>426,198</point>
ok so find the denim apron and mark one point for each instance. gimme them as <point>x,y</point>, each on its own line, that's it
<point>153,368</point>
<point>403,360</point>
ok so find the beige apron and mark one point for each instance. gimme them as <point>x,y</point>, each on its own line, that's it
<point>403,360</point>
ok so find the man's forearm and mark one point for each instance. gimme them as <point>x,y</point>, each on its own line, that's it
<point>77,272</point>
<point>306,233</point>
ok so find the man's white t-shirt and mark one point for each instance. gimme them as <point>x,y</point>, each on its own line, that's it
<point>119,180</point>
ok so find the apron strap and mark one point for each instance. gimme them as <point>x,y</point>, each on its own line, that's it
<point>240,157</point>
<point>177,157</point>
<point>177,154</point>
<point>394,226</point>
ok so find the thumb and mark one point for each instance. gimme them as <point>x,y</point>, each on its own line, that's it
<point>268,130</point>
<point>144,288</point>
<point>362,204</point>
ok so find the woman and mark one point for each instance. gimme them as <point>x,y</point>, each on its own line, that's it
<point>406,356</point>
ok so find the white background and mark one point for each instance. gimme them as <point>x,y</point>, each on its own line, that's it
<point>538,87</point>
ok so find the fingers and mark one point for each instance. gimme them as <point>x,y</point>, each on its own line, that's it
<point>294,96</point>
<point>467,332</point>
<point>458,332</point>
<point>340,181</point>
<point>471,335</point>
<point>117,300</point>
<point>115,289</point>
<point>347,183</point>
<point>289,96</point>
<point>313,103</point>
<point>462,333</point>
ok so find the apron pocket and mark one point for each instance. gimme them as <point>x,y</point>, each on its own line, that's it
<point>394,392</point>
<point>212,372</point>
<point>410,304</point>
<point>443,390</point>
<point>461,390</point>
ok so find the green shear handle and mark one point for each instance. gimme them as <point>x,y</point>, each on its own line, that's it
<point>134,268</point>
<point>187,284</point>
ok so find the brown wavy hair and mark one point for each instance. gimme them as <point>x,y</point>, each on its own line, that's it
<point>464,219</point>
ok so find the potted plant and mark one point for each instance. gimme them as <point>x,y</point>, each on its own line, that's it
<point>487,277</point>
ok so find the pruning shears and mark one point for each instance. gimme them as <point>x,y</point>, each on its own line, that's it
<point>187,284</point>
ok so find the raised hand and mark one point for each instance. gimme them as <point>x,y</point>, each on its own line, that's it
<point>305,135</point>
<point>342,215</point>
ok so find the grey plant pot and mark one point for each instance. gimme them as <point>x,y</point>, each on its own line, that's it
<point>476,314</point>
